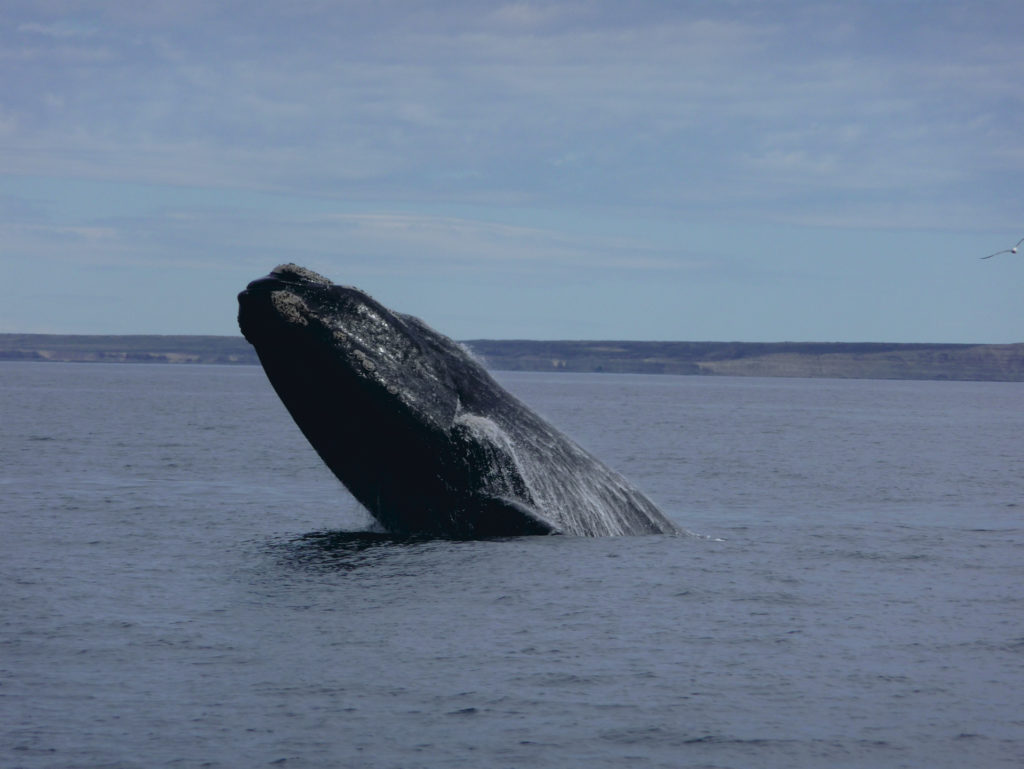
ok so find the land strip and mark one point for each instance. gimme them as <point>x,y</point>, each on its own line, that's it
<point>982,362</point>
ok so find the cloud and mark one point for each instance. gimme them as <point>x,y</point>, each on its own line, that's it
<point>725,109</point>
<point>453,243</point>
<point>61,29</point>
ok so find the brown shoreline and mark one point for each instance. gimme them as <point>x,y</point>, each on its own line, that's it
<point>964,362</point>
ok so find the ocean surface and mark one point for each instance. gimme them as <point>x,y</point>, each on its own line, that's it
<point>186,585</point>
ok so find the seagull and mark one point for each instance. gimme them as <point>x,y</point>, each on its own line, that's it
<point>1006,250</point>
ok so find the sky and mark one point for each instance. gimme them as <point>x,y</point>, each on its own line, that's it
<point>769,170</point>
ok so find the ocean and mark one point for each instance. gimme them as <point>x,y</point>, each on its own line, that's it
<point>185,584</point>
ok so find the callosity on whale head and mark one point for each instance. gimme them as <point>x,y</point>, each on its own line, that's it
<point>358,341</point>
<point>416,429</point>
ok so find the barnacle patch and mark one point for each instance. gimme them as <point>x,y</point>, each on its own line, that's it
<point>289,307</point>
<point>364,361</point>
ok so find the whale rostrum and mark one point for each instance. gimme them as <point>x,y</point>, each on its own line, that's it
<point>416,428</point>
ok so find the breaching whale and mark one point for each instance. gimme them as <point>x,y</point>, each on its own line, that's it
<point>417,430</point>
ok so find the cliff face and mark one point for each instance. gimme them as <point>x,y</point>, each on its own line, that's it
<point>126,349</point>
<point>1004,363</point>
<point>787,359</point>
<point>783,359</point>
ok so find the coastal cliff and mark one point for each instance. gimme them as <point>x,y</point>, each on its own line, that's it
<point>983,362</point>
<point>778,359</point>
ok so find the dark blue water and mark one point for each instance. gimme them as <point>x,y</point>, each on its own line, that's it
<point>182,586</point>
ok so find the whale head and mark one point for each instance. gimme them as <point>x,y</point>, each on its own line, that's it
<point>318,336</point>
<point>387,402</point>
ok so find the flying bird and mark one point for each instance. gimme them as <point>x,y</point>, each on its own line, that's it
<point>1006,250</point>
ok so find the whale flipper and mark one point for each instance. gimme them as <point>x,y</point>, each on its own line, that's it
<point>495,516</point>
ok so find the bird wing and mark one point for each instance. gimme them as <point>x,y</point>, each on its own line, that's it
<point>1006,250</point>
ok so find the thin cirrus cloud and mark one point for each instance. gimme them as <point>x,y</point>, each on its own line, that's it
<point>499,138</point>
<point>628,106</point>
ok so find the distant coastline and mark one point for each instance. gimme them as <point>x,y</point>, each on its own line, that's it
<point>984,362</point>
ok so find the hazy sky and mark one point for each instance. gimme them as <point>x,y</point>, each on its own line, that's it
<point>756,171</point>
